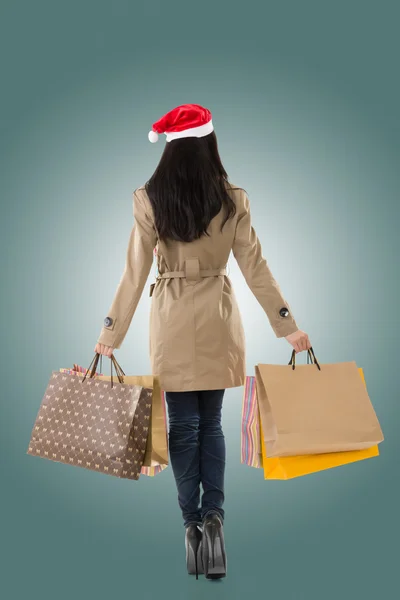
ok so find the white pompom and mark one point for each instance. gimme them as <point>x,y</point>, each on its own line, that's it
<point>153,136</point>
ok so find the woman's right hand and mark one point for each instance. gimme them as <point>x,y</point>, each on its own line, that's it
<point>105,350</point>
<point>299,340</point>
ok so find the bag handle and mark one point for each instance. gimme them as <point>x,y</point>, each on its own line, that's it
<point>117,366</point>
<point>310,355</point>
<point>113,361</point>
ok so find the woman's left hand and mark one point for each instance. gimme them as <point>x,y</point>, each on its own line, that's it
<point>105,350</point>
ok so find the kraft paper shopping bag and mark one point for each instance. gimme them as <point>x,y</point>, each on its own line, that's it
<point>315,408</point>
<point>290,467</point>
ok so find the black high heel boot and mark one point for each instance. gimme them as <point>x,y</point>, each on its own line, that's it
<point>213,547</point>
<point>193,545</point>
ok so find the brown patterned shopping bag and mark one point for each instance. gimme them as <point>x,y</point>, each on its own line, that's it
<point>100,426</point>
<point>156,455</point>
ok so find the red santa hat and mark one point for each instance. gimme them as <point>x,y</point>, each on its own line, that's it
<point>187,120</point>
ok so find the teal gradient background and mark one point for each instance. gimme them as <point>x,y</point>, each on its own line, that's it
<point>305,99</point>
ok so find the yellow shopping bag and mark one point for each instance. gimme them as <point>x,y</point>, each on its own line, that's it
<point>288,467</point>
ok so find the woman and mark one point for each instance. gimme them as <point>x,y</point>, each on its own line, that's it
<point>194,217</point>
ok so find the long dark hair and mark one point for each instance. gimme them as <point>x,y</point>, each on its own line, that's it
<point>188,188</point>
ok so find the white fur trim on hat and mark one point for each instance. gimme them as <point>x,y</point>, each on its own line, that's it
<point>192,132</point>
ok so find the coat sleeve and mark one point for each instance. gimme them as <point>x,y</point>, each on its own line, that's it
<point>248,254</point>
<point>139,259</point>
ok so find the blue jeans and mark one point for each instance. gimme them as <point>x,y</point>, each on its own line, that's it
<point>197,452</point>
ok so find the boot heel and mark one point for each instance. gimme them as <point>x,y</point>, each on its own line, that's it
<point>214,556</point>
<point>194,563</point>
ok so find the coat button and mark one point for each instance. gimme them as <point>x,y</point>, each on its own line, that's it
<point>284,312</point>
<point>108,321</point>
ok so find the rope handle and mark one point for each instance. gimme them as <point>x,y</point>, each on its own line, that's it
<point>113,361</point>
<point>310,355</point>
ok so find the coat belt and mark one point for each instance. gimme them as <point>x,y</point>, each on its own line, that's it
<point>192,271</point>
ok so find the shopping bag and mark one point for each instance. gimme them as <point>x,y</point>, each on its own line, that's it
<point>149,471</point>
<point>253,452</point>
<point>156,455</point>
<point>250,438</point>
<point>101,426</point>
<point>314,409</point>
<point>159,428</point>
<point>157,441</point>
<point>289,467</point>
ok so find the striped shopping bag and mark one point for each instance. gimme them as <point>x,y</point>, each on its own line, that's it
<point>251,450</point>
<point>76,370</point>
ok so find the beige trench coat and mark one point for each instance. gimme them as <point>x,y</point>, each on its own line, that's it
<point>197,340</point>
